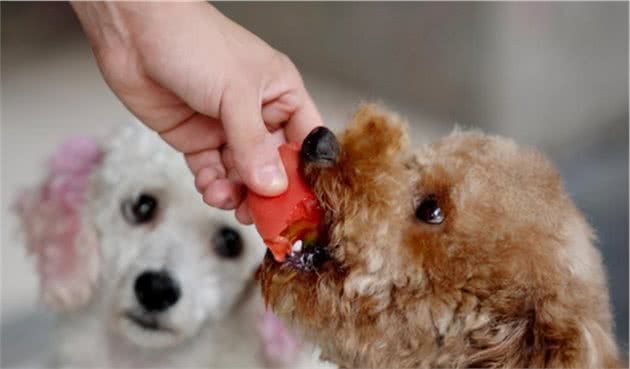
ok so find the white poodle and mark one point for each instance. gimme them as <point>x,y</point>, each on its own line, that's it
<point>141,272</point>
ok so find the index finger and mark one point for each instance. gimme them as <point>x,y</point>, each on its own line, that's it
<point>303,120</point>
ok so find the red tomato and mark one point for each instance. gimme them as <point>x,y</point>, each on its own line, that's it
<point>273,215</point>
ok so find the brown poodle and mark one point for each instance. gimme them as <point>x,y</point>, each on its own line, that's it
<point>464,253</point>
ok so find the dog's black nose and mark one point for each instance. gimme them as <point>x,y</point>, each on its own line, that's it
<point>320,147</point>
<point>156,291</point>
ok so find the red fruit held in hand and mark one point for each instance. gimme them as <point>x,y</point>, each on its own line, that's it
<point>291,216</point>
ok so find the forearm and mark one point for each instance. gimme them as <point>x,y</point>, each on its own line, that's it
<point>113,24</point>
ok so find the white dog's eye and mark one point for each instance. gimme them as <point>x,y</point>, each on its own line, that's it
<point>429,211</point>
<point>227,243</point>
<point>140,210</point>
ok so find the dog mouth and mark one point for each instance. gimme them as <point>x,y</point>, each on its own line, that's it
<point>147,322</point>
<point>305,260</point>
<point>303,244</point>
<point>307,241</point>
<point>309,250</point>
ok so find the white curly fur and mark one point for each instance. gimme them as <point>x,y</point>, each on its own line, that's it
<point>214,322</point>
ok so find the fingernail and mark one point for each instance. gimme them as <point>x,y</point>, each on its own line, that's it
<point>272,178</point>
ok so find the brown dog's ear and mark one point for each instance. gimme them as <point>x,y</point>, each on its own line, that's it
<point>51,217</point>
<point>542,341</point>
<point>562,340</point>
<point>501,345</point>
<point>370,159</point>
<point>374,135</point>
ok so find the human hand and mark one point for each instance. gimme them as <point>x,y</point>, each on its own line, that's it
<point>211,89</point>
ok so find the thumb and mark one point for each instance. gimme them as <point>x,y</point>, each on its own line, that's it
<point>255,149</point>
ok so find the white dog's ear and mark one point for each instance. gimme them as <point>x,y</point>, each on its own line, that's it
<point>280,349</point>
<point>63,243</point>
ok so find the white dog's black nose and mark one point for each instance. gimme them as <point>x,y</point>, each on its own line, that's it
<point>156,291</point>
<point>320,147</point>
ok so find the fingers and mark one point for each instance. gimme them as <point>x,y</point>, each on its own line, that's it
<point>204,159</point>
<point>218,183</point>
<point>211,180</point>
<point>216,176</point>
<point>205,177</point>
<point>243,215</point>
<point>287,102</point>
<point>219,173</point>
<point>303,120</point>
<point>223,193</point>
<point>237,197</point>
<point>278,111</point>
<point>197,132</point>
<point>255,151</point>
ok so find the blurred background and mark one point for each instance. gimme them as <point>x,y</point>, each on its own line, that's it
<point>551,75</point>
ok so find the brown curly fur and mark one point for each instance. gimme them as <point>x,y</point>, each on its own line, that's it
<point>510,278</point>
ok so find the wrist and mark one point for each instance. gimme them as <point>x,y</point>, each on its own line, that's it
<point>102,22</point>
<point>109,24</point>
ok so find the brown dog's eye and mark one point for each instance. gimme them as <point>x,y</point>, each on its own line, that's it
<point>429,211</point>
